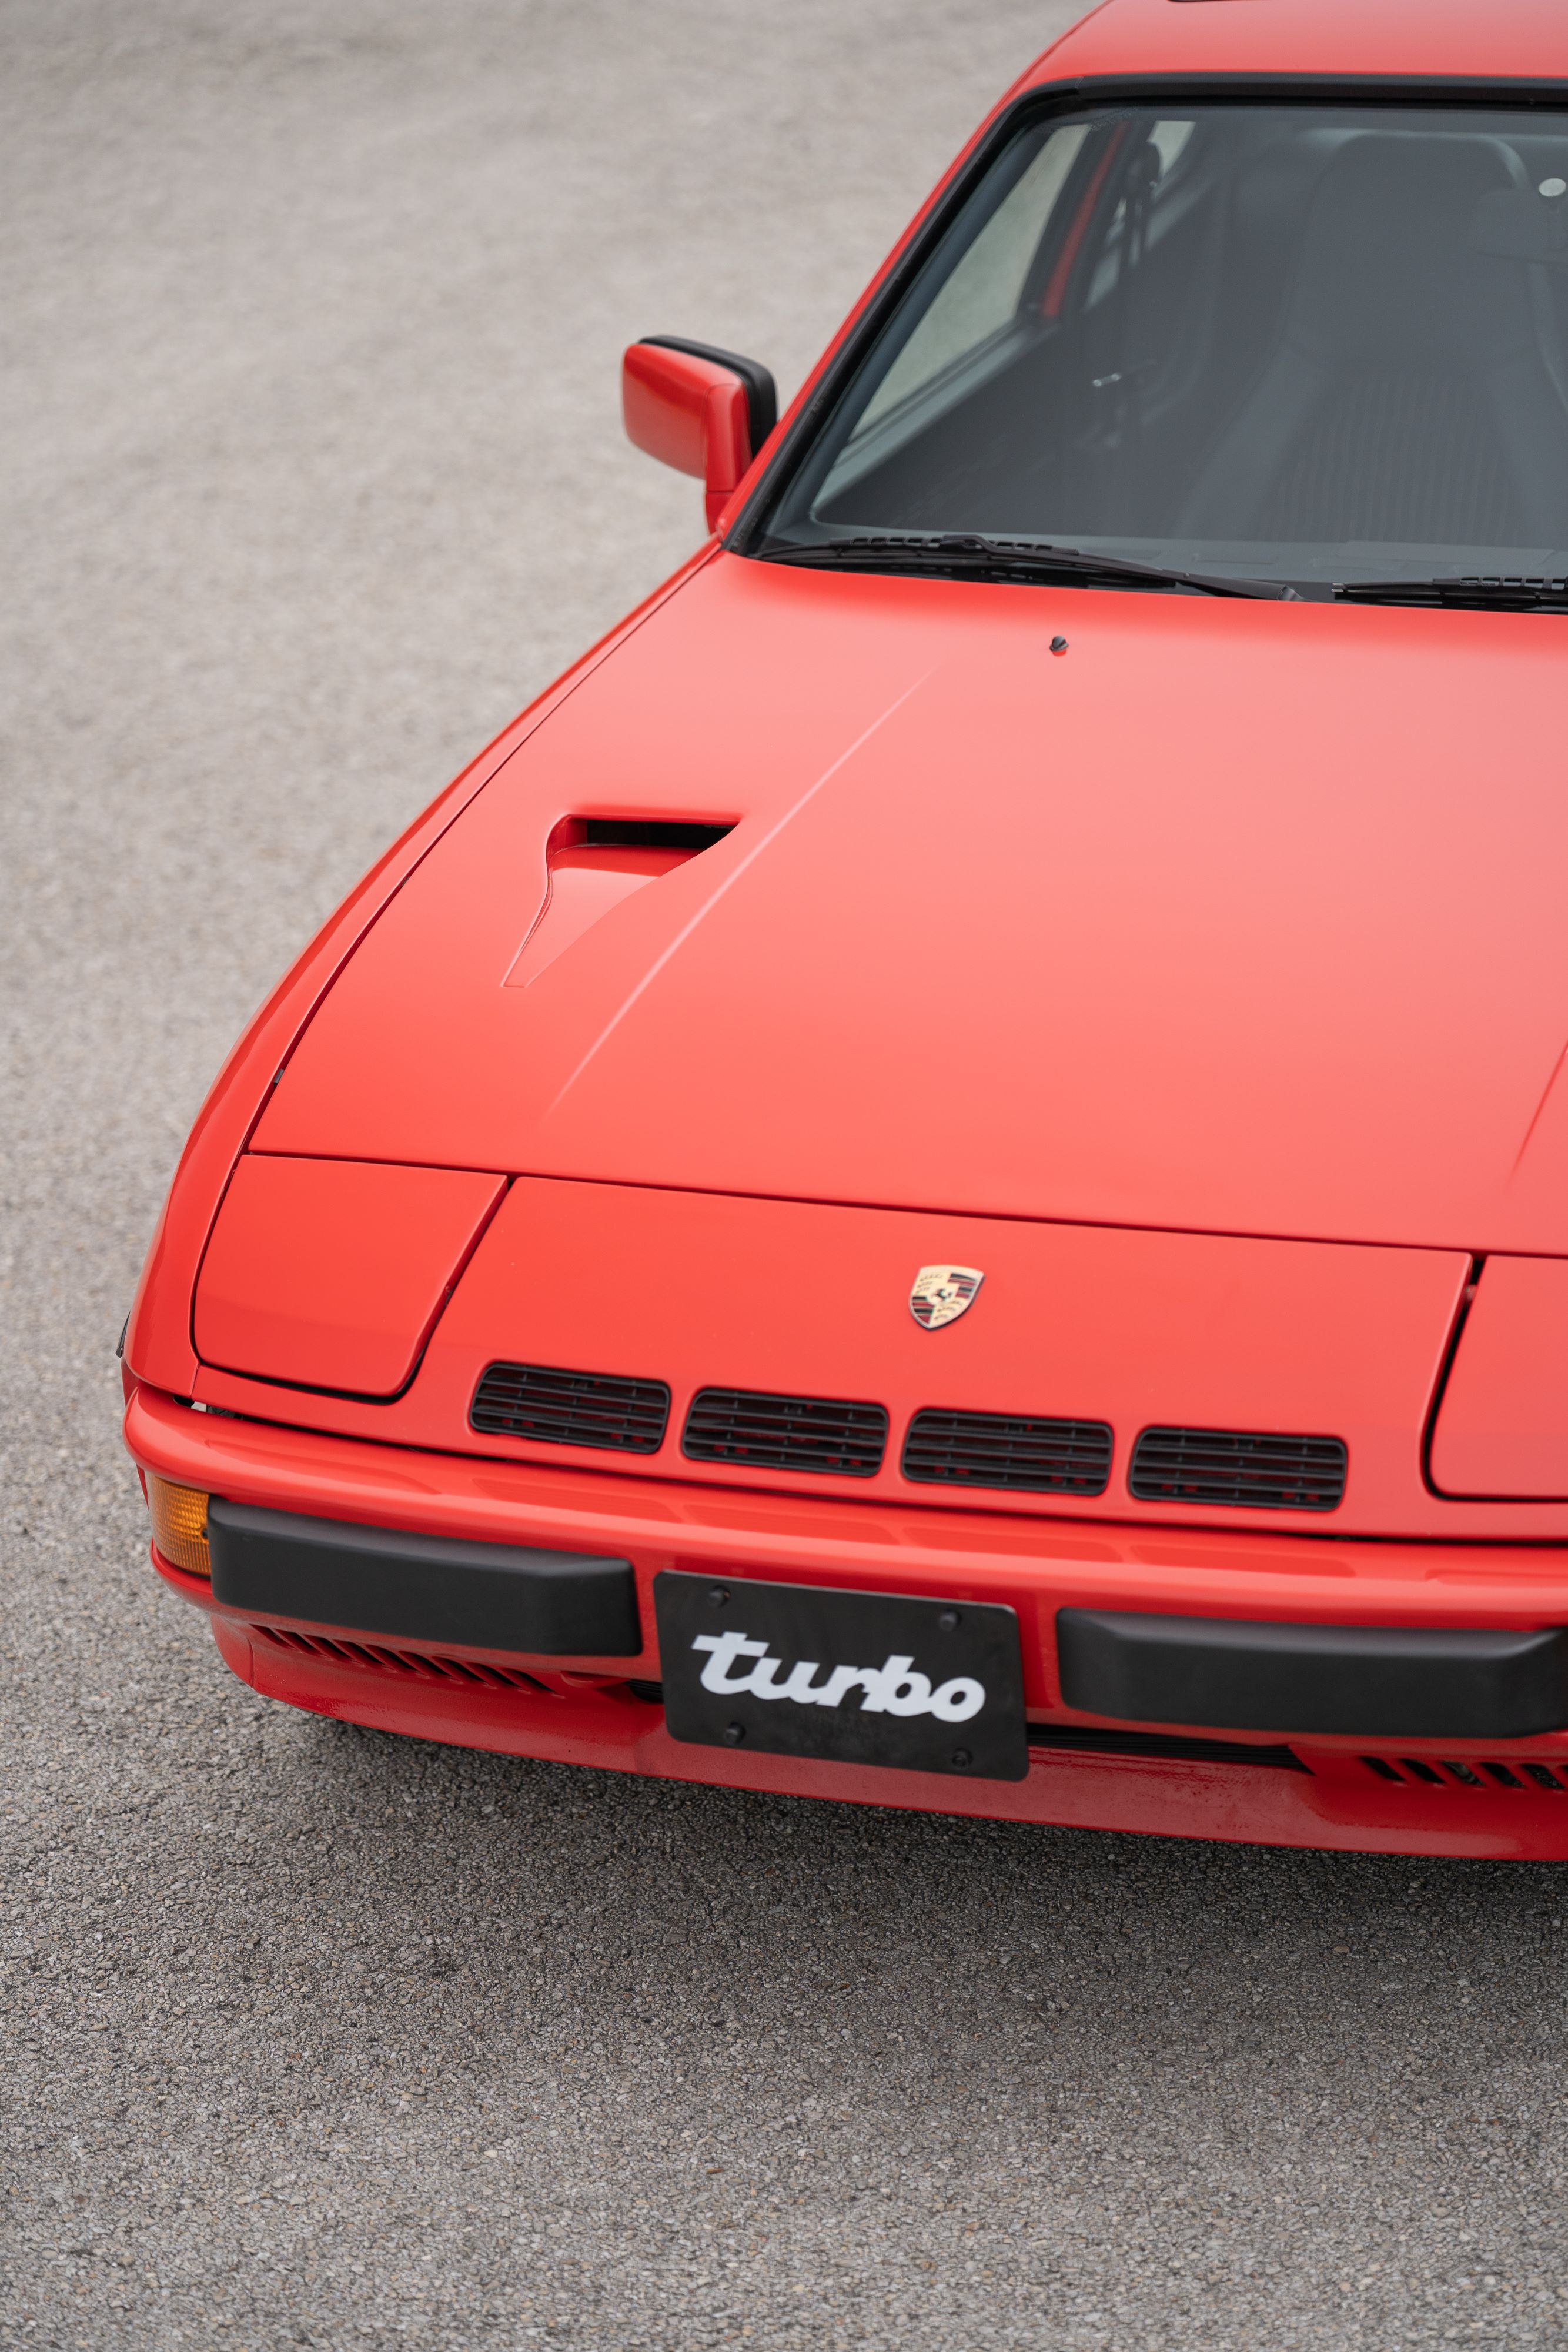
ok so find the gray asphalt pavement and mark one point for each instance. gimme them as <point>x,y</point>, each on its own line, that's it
<point>311,313</point>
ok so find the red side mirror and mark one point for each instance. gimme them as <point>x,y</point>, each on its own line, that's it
<point>703,411</point>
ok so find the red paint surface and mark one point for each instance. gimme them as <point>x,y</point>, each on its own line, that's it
<point>585,884</point>
<point>1503,1427</point>
<point>690,414</point>
<point>1523,38</point>
<point>332,1272</point>
<point>1243,917</point>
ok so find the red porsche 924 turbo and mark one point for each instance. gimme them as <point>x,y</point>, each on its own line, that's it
<point>944,1178</point>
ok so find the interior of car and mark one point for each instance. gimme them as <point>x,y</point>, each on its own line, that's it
<point>1282,336</point>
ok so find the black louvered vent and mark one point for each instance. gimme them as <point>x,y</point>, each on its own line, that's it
<point>1526,1772</point>
<point>1004,1449</point>
<point>557,1408</point>
<point>1230,1465</point>
<point>375,1657</point>
<point>757,1432</point>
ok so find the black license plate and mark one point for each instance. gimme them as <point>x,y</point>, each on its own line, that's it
<point>849,1677</point>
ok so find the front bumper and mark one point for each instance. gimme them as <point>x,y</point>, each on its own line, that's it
<point>1281,1785</point>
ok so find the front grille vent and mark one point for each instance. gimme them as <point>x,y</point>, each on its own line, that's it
<point>415,1664</point>
<point>558,1408</point>
<point>1470,1772</point>
<point>1233,1466</point>
<point>760,1431</point>
<point>1000,1449</point>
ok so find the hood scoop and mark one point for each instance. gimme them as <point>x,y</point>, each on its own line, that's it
<point>591,864</point>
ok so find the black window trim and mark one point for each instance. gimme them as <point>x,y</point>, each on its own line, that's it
<point>1040,103</point>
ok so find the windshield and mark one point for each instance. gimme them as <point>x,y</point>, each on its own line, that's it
<point>1294,344</point>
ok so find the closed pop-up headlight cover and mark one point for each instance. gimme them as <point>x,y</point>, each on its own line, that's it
<point>1502,1428</point>
<point>329,1274</point>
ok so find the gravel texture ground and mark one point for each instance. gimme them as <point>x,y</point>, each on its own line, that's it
<point>311,313</point>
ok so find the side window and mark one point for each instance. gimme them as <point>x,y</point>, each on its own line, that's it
<point>1145,211</point>
<point>979,300</point>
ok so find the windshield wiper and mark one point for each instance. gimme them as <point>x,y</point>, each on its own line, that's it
<point>962,554</point>
<point>1477,592</point>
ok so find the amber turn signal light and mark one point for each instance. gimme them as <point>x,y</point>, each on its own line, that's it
<point>180,1525</point>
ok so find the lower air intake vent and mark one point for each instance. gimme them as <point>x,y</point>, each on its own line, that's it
<point>1231,1466</point>
<point>1165,1747</point>
<point>557,1408</point>
<point>378,1659</point>
<point>1525,1772</point>
<point>1000,1449</point>
<point>757,1432</point>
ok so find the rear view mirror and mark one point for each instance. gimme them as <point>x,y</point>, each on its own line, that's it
<point>703,411</point>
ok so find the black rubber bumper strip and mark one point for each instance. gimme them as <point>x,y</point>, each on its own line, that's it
<point>551,1604</point>
<point>1375,1681</point>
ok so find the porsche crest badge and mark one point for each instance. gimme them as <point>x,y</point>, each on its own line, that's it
<point>942,1293</point>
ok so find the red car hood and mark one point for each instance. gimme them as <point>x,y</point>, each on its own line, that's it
<point>1233,917</point>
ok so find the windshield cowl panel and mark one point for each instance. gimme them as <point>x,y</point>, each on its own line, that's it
<point>1231,347</point>
<point>962,556</point>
